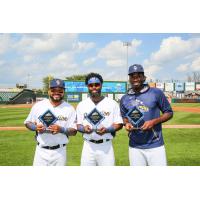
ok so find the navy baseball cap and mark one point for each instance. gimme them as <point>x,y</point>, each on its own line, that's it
<point>57,83</point>
<point>135,69</point>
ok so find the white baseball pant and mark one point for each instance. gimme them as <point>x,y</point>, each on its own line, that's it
<point>46,157</point>
<point>147,157</point>
<point>97,154</point>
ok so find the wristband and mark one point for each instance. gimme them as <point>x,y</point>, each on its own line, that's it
<point>110,129</point>
<point>81,129</point>
<point>32,127</point>
<point>64,130</point>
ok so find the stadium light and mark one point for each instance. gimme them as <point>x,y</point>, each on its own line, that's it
<point>127,44</point>
<point>28,81</point>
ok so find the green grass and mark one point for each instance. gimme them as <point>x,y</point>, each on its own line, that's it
<point>182,146</point>
<point>13,116</point>
<point>16,117</point>
<point>17,147</point>
<point>184,118</point>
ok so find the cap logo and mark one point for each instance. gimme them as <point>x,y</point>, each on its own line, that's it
<point>58,82</point>
<point>135,67</point>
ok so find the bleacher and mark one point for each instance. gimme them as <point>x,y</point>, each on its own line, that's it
<point>6,96</point>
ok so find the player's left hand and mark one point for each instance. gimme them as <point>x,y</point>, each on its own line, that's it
<point>54,129</point>
<point>101,131</point>
<point>148,125</point>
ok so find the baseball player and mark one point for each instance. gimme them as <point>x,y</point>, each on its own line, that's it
<point>53,120</point>
<point>98,119</point>
<point>140,109</point>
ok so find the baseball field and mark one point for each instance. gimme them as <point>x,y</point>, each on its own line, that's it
<point>181,135</point>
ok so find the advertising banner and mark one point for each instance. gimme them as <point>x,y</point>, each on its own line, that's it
<point>179,87</point>
<point>169,87</point>
<point>189,86</point>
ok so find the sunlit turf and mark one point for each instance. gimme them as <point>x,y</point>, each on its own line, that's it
<point>182,147</point>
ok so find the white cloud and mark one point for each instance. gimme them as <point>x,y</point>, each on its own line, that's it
<point>84,46</point>
<point>2,62</point>
<point>28,58</point>
<point>45,43</point>
<point>196,64</point>
<point>116,62</point>
<point>89,61</point>
<point>174,48</point>
<point>5,43</point>
<point>182,67</point>
<point>114,53</point>
<point>151,70</point>
<point>64,60</point>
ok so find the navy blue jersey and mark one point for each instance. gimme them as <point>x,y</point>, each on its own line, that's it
<point>150,101</point>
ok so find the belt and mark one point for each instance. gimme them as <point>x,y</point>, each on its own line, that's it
<point>52,147</point>
<point>99,141</point>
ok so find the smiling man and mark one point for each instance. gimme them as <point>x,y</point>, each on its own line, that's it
<point>140,109</point>
<point>53,120</point>
<point>98,119</point>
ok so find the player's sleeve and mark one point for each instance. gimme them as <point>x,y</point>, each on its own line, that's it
<point>117,115</point>
<point>32,115</point>
<point>123,110</point>
<point>72,119</point>
<point>79,115</point>
<point>163,103</point>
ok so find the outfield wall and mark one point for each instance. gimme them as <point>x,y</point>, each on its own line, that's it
<point>174,100</point>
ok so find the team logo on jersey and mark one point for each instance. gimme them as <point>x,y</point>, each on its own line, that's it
<point>62,118</point>
<point>48,118</point>
<point>94,118</point>
<point>139,104</point>
<point>105,113</point>
<point>135,116</point>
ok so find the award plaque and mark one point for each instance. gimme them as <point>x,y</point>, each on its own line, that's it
<point>135,117</point>
<point>95,118</point>
<point>48,118</point>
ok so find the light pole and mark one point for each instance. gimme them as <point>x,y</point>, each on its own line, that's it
<point>28,81</point>
<point>127,44</point>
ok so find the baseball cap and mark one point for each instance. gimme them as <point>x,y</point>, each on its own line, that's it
<point>57,83</point>
<point>135,69</point>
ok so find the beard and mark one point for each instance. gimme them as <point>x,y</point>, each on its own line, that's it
<point>57,99</point>
<point>95,94</point>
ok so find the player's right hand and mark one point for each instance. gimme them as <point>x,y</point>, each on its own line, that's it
<point>129,127</point>
<point>40,128</point>
<point>88,129</point>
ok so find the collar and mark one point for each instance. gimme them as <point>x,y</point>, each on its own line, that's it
<point>143,90</point>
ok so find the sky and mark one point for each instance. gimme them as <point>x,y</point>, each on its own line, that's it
<point>27,58</point>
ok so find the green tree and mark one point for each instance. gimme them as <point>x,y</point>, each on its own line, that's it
<point>46,81</point>
<point>79,77</point>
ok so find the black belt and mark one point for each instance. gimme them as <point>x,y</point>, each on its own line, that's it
<point>52,147</point>
<point>99,141</point>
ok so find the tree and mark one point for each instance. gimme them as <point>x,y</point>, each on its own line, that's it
<point>46,81</point>
<point>79,77</point>
<point>194,77</point>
